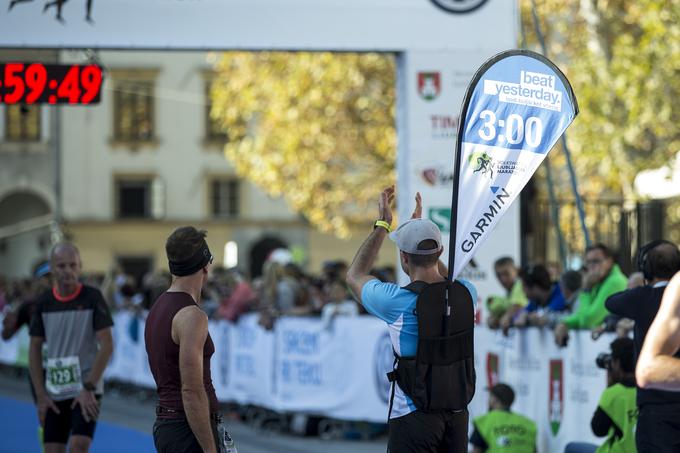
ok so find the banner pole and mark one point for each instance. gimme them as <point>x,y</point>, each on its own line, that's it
<point>570,167</point>
<point>574,188</point>
<point>454,201</point>
<point>555,213</point>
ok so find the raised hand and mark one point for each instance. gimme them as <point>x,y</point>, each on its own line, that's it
<point>385,205</point>
<point>418,211</point>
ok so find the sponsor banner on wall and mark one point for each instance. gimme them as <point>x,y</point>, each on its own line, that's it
<point>557,388</point>
<point>516,108</point>
<point>317,372</point>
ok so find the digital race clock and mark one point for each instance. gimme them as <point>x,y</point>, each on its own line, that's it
<point>38,83</point>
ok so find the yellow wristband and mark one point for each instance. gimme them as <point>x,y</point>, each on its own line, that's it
<point>382,223</point>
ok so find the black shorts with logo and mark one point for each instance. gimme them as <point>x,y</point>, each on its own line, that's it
<point>58,427</point>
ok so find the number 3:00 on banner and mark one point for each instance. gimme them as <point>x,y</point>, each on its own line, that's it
<point>513,130</point>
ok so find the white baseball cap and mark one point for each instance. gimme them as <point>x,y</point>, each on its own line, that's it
<point>414,231</point>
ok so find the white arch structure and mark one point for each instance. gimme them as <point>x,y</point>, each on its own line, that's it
<point>439,44</point>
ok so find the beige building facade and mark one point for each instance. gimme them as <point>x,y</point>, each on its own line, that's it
<point>148,159</point>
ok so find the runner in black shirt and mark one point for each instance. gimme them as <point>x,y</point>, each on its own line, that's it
<point>74,322</point>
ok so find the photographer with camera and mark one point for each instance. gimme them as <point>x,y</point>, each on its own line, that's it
<point>616,413</point>
<point>658,428</point>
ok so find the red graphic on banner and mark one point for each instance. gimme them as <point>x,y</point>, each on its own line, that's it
<point>429,85</point>
<point>556,392</point>
<point>492,374</point>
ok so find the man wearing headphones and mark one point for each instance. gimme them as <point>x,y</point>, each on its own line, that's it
<point>658,428</point>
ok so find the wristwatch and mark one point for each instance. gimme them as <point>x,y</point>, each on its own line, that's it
<point>89,386</point>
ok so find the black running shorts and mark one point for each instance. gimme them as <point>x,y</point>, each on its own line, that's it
<point>421,432</point>
<point>58,427</point>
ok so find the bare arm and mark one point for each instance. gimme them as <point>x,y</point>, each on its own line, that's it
<point>190,328</point>
<point>86,399</point>
<point>358,273</point>
<point>508,316</point>
<point>656,367</point>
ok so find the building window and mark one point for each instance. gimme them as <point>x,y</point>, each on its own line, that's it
<point>213,131</point>
<point>225,198</point>
<point>22,123</point>
<point>133,103</point>
<point>133,198</point>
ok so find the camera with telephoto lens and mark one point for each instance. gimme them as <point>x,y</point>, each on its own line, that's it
<point>604,360</point>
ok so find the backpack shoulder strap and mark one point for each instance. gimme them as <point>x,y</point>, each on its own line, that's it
<point>417,286</point>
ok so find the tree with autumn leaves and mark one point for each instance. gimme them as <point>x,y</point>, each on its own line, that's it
<point>622,58</point>
<point>315,128</point>
<point>319,128</point>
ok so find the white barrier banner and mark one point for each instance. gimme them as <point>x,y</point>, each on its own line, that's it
<point>245,360</point>
<point>339,371</point>
<point>557,388</point>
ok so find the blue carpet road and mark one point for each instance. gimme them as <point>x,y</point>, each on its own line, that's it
<point>19,432</point>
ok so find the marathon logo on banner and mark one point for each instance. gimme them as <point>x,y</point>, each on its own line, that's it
<point>516,108</point>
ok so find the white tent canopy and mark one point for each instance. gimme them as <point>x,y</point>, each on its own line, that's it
<point>661,182</point>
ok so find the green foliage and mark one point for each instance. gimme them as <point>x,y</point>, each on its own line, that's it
<point>315,128</point>
<point>623,60</point>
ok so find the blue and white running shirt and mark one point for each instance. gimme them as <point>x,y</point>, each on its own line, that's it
<point>395,306</point>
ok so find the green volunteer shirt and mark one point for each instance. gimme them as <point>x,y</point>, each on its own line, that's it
<point>591,310</point>
<point>505,431</point>
<point>618,402</point>
<point>500,304</point>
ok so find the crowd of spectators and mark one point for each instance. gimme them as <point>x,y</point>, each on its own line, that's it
<point>541,295</point>
<point>537,295</point>
<point>283,289</point>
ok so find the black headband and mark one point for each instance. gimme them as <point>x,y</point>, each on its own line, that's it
<point>197,261</point>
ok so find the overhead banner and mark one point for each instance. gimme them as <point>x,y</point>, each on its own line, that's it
<point>515,109</point>
<point>376,25</point>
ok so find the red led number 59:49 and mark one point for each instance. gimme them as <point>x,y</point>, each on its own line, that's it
<point>38,83</point>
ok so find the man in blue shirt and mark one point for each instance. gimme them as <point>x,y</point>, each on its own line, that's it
<point>420,245</point>
<point>546,301</point>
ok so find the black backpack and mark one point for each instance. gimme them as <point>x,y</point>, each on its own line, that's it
<point>441,376</point>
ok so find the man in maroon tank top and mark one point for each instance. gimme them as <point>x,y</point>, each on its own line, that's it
<point>179,348</point>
